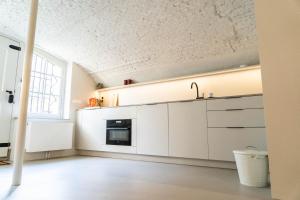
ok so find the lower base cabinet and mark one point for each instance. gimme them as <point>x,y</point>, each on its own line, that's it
<point>90,130</point>
<point>222,141</point>
<point>188,130</point>
<point>152,130</point>
<point>180,129</point>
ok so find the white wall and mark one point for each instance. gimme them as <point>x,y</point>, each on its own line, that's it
<point>278,24</point>
<point>246,81</point>
<point>81,89</point>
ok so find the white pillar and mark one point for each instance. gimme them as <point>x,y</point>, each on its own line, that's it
<point>21,133</point>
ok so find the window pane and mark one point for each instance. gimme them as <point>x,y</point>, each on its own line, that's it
<point>34,105</point>
<point>54,105</point>
<point>46,103</point>
<point>45,87</point>
<point>56,87</point>
<point>48,85</point>
<point>49,68</point>
<point>57,71</point>
<point>38,65</point>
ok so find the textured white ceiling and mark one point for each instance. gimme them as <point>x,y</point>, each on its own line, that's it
<point>140,39</point>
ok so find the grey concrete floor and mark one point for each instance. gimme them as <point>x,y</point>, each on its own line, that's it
<point>91,178</point>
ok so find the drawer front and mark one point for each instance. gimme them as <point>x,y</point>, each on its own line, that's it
<point>222,141</point>
<point>235,103</point>
<point>236,118</point>
<point>119,113</point>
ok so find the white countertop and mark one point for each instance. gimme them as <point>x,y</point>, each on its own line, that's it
<point>162,102</point>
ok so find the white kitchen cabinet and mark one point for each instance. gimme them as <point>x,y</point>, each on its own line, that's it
<point>152,130</point>
<point>235,124</point>
<point>222,141</point>
<point>204,129</point>
<point>188,130</point>
<point>90,130</point>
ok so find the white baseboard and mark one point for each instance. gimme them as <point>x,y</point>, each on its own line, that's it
<point>49,155</point>
<point>171,160</point>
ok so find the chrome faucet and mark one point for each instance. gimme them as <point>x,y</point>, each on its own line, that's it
<point>194,83</point>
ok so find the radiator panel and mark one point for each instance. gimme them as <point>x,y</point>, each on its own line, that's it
<point>49,136</point>
<point>3,152</point>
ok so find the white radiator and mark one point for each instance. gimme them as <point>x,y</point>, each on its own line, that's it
<point>49,136</point>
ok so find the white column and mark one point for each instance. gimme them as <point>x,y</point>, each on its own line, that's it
<point>278,29</point>
<point>21,131</point>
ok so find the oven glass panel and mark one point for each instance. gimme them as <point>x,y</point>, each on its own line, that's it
<point>121,135</point>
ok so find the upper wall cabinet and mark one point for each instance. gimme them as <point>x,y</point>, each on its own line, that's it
<point>188,130</point>
<point>90,130</point>
<point>152,129</point>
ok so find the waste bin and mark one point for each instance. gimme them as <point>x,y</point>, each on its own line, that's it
<point>253,167</point>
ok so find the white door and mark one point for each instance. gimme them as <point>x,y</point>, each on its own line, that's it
<point>152,130</point>
<point>188,130</point>
<point>8,71</point>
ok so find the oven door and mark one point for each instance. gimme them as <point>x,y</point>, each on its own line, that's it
<point>118,136</point>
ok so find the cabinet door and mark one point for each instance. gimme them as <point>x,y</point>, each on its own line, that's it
<point>152,130</point>
<point>188,130</point>
<point>90,132</point>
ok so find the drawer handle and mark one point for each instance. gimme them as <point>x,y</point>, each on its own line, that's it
<point>236,97</point>
<point>234,109</point>
<point>151,104</point>
<point>235,127</point>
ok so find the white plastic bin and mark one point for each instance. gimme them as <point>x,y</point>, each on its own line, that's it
<point>253,167</point>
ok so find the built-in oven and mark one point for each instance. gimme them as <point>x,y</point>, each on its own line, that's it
<point>118,132</point>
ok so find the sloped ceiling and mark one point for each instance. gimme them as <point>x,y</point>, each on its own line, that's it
<point>140,39</point>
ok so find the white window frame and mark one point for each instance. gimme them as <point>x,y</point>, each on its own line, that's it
<point>63,65</point>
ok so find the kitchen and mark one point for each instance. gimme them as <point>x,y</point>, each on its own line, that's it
<point>179,124</point>
<point>149,100</point>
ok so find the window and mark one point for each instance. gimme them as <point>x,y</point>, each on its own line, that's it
<point>46,96</point>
